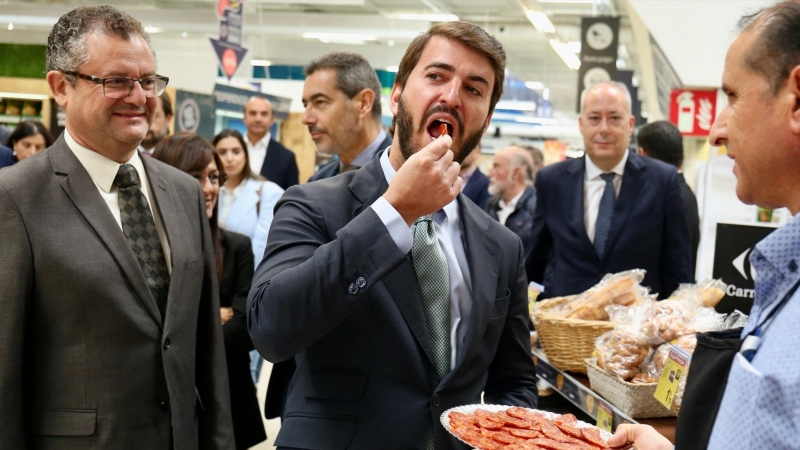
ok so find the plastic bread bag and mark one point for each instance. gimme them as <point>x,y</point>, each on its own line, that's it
<point>668,320</point>
<point>707,319</point>
<point>708,292</point>
<point>650,370</point>
<point>621,351</point>
<point>621,288</point>
<point>736,319</point>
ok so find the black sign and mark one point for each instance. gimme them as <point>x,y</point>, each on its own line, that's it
<point>195,113</point>
<point>599,42</point>
<point>233,99</point>
<point>732,264</point>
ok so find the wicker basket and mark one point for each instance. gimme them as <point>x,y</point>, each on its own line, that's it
<point>635,400</point>
<point>566,342</point>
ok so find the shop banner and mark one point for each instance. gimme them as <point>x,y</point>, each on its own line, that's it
<point>195,113</point>
<point>229,45</point>
<point>732,264</point>
<point>599,42</point>
<point>693,111</point>
<point>233,99</point>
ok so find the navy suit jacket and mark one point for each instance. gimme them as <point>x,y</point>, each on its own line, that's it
<point>6,157</point>
<point>477,189</point>
<point>521,220</point>
<point>648,230</point>
<point>335,290</point>
<point>280,165</point>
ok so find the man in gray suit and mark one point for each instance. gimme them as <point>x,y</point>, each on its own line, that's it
<point>110,333</point>
<point>399,297</point>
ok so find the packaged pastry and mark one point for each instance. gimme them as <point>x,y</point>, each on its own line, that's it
<point>618,289</point>
<point>708,293</point>
<point>667,320</point>
<point>621,352</point>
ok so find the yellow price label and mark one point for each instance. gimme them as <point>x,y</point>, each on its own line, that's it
<point>674,368</point>
<point>605,418</point>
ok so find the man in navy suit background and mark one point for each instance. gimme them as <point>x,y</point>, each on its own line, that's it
<point>268,157</point>
<point>610,211</point>
<point>342,96</point>
<point>476,184</point>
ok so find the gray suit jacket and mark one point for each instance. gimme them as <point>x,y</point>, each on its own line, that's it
<point>335,290</point>
<point>86,361</point>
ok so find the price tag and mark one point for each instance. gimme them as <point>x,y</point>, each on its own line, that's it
<point>674,368</point>
<point>605,417</point>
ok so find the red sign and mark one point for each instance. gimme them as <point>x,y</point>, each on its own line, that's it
<point>693,111</point>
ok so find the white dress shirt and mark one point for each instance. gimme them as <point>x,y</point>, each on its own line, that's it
<point>593,187</point>
<point>448,226</point>
<point>103,171</point>
<point>507,208</point>
<point>257,152</point>
<point>227,197</point>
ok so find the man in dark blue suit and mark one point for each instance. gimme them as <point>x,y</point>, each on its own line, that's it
<point>342,96</point>
<point>6,157</point>
<point>268,157</point>
<point>476,184</point>
<point>610,211</point>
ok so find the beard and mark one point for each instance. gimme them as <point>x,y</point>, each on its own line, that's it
<point>409,144</point>
<point>498,188</point>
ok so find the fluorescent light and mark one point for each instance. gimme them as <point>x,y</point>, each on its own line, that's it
<point>260,62</point>
<point>536,120</point>
<point>570,59</point>
<point>24,96</point>
<point>546,94</point>
<point>540,21</point>
<point>392,69</point>
<point>621,63</point>
<point>10,26</point>
<point>332,37</point>
<point>534,85</point>
<point>152,29</point>
<point>184,34</point>
<point>574,46</point>
<point>583,2</point>
<point>430,17</point>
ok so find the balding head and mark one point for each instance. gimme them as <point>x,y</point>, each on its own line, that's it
<point>512,171</point>
<point>258,118</point>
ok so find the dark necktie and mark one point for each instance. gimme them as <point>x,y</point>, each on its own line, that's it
<point>433,278</point>
<point>604,214</point>
<point>140,231</point>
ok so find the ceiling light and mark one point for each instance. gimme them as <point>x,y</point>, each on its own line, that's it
<point>570,59</point>
<point>621,63</point>
<point>586,2</point>
<point>331,37</point>
<point>10,26</point>
<point>546,94</point>
<point>540,21</point>
<point>152,29</point>
<point>575,46</point>
<point>184,34</point>
<point>534,85</point>
<point>260,62</point>
<point>392,69</point>
<point>536,120</point>
<point>430,17</point>
<point>24,96</point>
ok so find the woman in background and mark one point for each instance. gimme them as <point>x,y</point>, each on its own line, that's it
<point>28,138</point>
<point>195,156</point>
<point>247,200</point>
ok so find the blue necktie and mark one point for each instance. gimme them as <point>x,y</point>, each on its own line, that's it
<point>604,214</point>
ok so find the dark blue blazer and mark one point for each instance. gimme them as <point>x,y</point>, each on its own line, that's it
<point>280,165</point>
<point>648,231</point>
<point>6,157</point>
<point>332,168</point>
<point>477,189</point>
<point>521,220</point>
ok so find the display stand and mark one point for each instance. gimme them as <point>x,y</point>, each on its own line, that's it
<point>575,388</point>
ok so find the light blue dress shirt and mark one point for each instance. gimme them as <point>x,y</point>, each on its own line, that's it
<point>761,405</point>
<point>449,233</point>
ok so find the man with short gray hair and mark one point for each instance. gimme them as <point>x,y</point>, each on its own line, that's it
<point>342,96</point>
<point>110,334</point>
<point>609,211</point>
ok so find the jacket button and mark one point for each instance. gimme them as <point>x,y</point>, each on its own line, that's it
<point>435,400</point>
<point>361,282</point>
<point>353,289</point>
<point>167,343</point>
<point>164,406</point>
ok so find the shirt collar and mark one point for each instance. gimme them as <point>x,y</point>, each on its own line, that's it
<point>593,172</point>
<point>780,250</point>
<point>101,169</point>
<point>263,142</point>
<point>366,156</point>
<point>513,203</point>
<point>448,213</point>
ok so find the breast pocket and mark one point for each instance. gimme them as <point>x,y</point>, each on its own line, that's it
<point>500,306</point>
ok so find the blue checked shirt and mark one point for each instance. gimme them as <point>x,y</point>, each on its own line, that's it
<point>761,405</point>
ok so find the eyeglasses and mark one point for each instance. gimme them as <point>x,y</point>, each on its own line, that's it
<point>216,179</point>
<point>121,87</point>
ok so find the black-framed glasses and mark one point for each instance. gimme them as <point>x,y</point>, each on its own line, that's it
<point>121,87</point>
<point>216,179</point>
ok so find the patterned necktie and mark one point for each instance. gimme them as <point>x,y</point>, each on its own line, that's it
<point>140,231</point>
<point>604,214</point>
<point>433,278</point>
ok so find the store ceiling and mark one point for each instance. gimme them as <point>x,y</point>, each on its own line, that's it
<point>273,29</point>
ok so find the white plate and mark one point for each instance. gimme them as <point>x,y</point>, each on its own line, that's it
<point>470,409</point>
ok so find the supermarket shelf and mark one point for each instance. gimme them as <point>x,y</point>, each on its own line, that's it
<point>17,119</point>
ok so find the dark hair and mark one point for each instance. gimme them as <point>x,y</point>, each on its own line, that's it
<point>247,173</point>
<point>662,140</point>
<point>535,152</point>
<point>353,75</point>
<point>67,40</point>
<point>29,128</point>
<point>191,153</point>
<point>776,50</point>
<point>468,34</point>
<point>166,104</point>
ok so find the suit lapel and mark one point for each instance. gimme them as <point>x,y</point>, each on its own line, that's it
<point>244,203</point>
<point>83,192</point>
<point>632,183</point>
<point>367,185</point>
<point>573,185</point>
